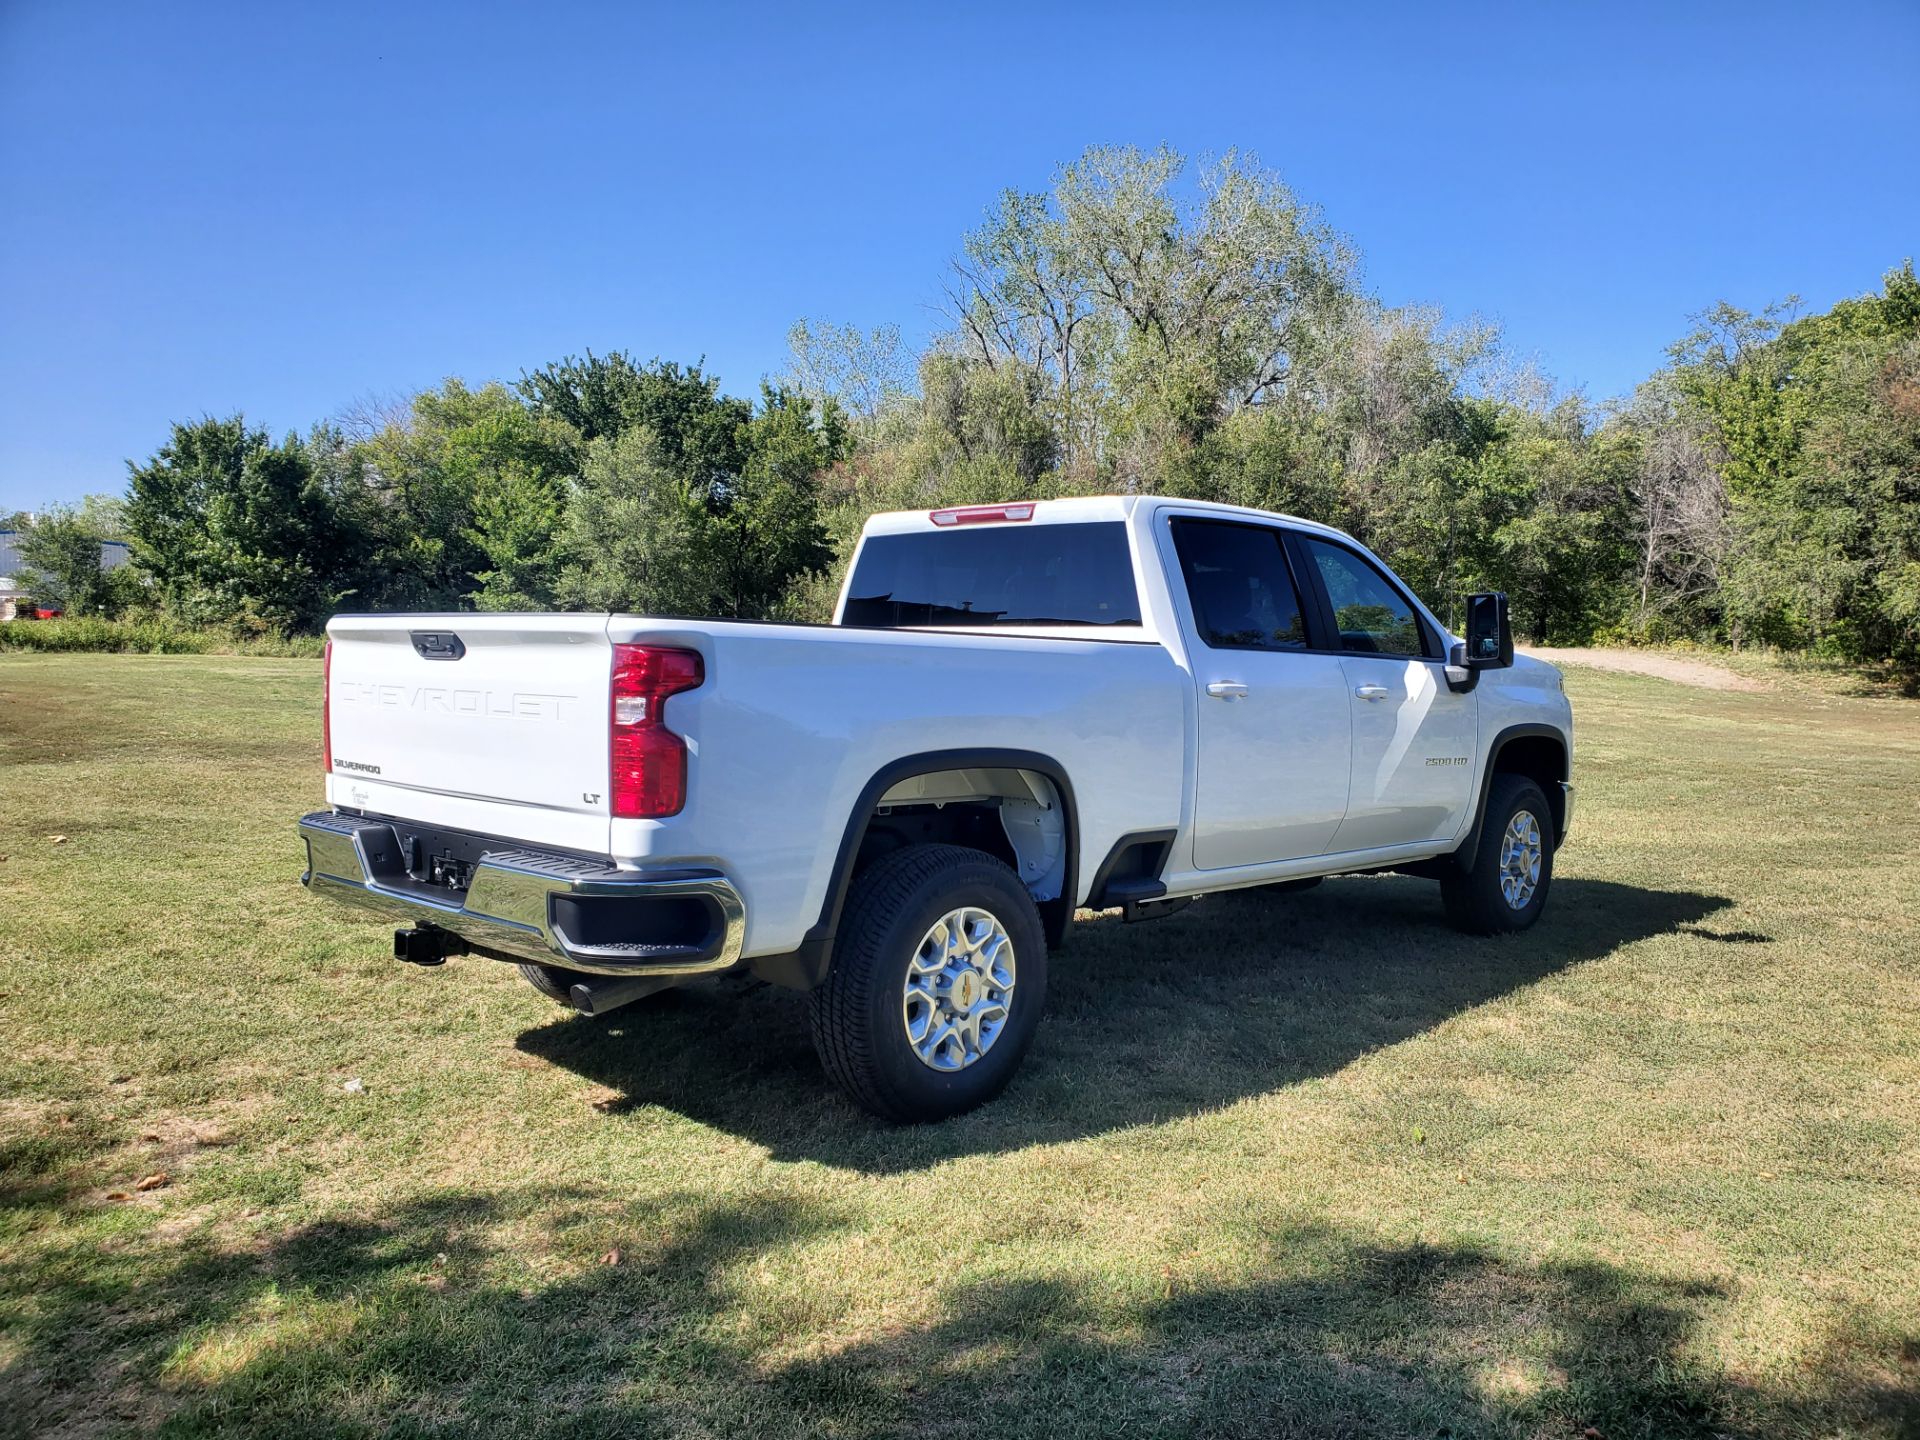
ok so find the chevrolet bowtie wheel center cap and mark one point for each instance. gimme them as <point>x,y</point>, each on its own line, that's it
<point>959,989</point>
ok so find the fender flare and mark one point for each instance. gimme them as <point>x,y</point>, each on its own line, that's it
<point>807,966</point>
<point>1532,730</point>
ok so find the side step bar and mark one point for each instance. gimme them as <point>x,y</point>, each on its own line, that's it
<point>1143,899</point>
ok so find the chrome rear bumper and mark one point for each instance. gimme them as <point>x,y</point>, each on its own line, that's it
<point>508,906</point>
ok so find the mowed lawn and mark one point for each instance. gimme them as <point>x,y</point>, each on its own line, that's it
<point>1279,1166</point>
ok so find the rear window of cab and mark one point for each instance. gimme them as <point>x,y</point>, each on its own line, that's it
<point>1078,573</point>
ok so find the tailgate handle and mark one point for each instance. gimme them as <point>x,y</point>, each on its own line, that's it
<point>438,644</point>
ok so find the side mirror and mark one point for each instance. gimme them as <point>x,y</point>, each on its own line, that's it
<point>1489,634</point>
<point>1489,642</point>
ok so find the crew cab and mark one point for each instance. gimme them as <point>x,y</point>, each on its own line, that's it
<point>1019,711</point>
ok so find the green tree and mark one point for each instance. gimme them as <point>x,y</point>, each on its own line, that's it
<point>769,530</point>
<point>61,550</point>
<point>238,530</point>
<point>695,427</point>
<point>463,501</point>
<point>1152,311</point>
<point>636,533</point>
<point>643,535</point>
<point>1813,423</point>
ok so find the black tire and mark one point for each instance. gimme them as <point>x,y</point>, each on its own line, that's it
<point>857,1015</point>
<point>1475,900</point>
<point>554,981</point>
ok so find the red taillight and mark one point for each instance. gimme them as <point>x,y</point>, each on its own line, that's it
<point>326,706</point>
<point>647,761</point>
<point>980,514</point>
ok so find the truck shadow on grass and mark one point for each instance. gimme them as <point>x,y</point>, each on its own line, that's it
<point>424,1319</point>
<point>1242,994</point>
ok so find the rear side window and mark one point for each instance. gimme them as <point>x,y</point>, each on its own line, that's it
<point>1242,591</point>
<point>1373,618</point>
<point>1074,574</point>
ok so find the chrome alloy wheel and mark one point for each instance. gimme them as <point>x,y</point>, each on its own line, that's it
<point>1520,860</point>
<point>959,989</point>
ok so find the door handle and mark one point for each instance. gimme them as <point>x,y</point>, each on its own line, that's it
<point>1372,692</point>
<point>1226,690</point>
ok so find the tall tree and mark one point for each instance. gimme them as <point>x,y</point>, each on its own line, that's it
<point>1818,455</point>
<point>463,499</point>
<point>1153,313</point>
<point>636,532</point>
<point>643,534</point>
<point>236,529</point>
<point>694,426</point>
<point>769,527</point>
<point>61,548</point>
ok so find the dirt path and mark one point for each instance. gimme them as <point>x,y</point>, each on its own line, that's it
<point>1703,673</point>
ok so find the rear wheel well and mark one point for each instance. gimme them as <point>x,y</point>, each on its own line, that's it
<point>1015,815</point>
<point>974,824</point>
<point>1016,805</point>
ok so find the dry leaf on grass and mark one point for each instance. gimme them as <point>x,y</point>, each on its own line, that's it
<point>56,839</point>
<point>612,1257</point>
<point>153,1181</point>
<point>119,1195</point>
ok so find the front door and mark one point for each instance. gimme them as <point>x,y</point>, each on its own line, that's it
<point>1413,738</point>
<point>1274,719</point>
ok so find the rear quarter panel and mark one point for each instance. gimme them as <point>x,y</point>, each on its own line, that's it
<point>793,721</point>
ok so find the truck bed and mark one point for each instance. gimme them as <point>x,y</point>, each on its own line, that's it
<point>787,726</point>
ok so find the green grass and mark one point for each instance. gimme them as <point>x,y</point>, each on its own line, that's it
<point>1307,1165</point>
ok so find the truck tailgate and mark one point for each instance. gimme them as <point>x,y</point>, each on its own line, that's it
<point>495,723</point>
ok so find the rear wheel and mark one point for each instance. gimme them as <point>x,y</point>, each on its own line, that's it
<point>939,976</point>
<point>553,981</point>
<point>1504,888</point>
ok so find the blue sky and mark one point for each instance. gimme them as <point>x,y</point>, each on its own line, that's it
<point>279,208</point>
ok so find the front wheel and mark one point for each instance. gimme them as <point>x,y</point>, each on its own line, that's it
<point>1504,887</point>
<point>939,976</point>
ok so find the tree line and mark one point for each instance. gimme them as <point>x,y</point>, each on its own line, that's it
<point>1146,326</point>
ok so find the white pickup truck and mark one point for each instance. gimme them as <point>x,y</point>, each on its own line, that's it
<point>1020,710</point>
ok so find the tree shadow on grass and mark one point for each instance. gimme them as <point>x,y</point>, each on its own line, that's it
<point>426,1320</point>
<point>1242,994</point>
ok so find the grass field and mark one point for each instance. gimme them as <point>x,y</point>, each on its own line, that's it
<point>1306,1165</point>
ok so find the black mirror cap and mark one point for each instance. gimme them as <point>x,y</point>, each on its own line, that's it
<point>1489,632</point>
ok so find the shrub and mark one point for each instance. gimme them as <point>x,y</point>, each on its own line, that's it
<point>146,637</point>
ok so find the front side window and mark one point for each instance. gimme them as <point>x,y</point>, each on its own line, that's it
<point>1242,590</point>
<point>1373,618</point>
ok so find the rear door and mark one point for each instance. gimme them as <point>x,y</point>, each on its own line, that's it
<point>1413,738</point>
<point>495,723</point>
<point>1274,742</point>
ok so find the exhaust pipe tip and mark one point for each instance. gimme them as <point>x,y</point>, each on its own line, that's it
<point>604,993</point>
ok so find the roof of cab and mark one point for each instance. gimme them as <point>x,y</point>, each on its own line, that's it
<point>1084,508</point>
